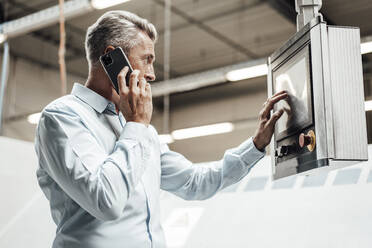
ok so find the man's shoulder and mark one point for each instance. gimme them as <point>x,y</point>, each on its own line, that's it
<point>59,103</point>
<point>153,129</point>
<point>66,104</point>
<point>59,109</point>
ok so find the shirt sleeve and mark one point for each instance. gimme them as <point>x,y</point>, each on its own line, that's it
<point>100,183</point>
<point>203,180</point>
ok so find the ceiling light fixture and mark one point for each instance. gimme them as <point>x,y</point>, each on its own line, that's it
<point>2,38</point>
<point>246,73</point>
<point>261,70</point>
<point>368,105</point>
<point>366,47</point>
<point>102,4</point>
<point>166,138</point>
<point>34,118</point>
<point>218,128</point>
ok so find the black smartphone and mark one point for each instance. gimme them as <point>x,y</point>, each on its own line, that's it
<point>113,62</point>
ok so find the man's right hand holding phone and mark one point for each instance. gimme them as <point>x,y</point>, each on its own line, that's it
<point>136,98</point>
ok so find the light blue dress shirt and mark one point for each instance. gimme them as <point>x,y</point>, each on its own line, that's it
<point>102,176</point>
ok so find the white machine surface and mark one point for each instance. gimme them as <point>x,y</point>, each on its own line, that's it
<point>329,209</point>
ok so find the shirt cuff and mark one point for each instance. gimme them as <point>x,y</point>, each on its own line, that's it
<point>249,153</point>
<point>138,133</point>
<point>135,131</point>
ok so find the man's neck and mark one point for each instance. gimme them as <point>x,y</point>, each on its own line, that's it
<point>99,83</point>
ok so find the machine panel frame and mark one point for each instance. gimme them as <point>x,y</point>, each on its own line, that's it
<point>310,36</point>
<point>336,77</point>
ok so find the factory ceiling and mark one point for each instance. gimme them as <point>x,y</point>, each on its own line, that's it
<point>205,34</point>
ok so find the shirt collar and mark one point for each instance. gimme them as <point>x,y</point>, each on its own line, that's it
<point>93,99</point>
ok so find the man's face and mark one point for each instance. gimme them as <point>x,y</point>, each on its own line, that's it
<point>142,57</point>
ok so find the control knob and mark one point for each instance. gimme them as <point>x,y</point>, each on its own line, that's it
<point>307,140</point>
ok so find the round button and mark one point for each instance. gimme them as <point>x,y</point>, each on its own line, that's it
<point>307,140</point>
<point>304,140</point>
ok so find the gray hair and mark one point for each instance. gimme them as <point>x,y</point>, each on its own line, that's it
<point>118,29</point>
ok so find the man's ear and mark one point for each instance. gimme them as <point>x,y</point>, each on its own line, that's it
<point>109,49</point>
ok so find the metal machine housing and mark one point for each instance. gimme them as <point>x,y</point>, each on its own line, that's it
<point>336,100</point>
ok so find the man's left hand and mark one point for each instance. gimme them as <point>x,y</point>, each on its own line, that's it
<point>265,130</point>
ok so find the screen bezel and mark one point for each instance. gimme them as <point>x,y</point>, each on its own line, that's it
<point>285,58</point>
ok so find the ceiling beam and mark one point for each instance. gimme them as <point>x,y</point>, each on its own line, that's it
<point>35,8</point>
<point>77,52</point>
<point>200,80</point>
<point>43,18</point>
<point>25,9</point>
<point>219,36</point>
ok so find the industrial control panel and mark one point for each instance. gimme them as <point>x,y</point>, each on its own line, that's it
<point>323,124</point>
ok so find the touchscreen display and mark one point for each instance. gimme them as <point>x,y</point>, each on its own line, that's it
<point>294,77</point>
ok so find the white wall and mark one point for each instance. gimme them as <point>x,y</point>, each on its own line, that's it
<point>325,210</point>
<point>25,219</point>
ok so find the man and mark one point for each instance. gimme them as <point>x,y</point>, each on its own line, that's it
<point>101,165</point>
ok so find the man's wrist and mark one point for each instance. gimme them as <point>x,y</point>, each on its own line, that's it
<point>258,145</point>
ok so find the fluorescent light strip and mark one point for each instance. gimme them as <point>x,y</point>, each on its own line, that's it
<point>166,138</point>
<point>246,73</point>
<point>102,4</point>
<point>368,105</point>
<point>261,70</point>
<point>193,132</point>
<point>3,37</point>
<point>34,118</point>
<point>366,47</point>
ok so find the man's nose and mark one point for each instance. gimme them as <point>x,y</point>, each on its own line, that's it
<point>150,77</point>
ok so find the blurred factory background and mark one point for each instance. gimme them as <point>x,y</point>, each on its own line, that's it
<point>208,40</point>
